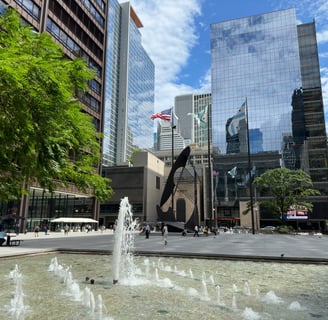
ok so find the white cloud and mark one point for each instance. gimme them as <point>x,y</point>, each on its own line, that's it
<point>305,9</point>
<point>324,84</point>
<point>205,83</point>
<point>322,36</point>
<point>168,36</point>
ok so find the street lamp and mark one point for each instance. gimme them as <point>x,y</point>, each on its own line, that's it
<point>215,220</point>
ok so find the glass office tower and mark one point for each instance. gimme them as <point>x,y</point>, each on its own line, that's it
<point>265,69</point>
<point>255,58</point>
<point>129,92</point>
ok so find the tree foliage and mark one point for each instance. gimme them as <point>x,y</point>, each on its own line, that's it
<point>285,188</point>
<point>133,153</point>
<point>45,137</point>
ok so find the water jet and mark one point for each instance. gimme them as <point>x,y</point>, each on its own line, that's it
<point>158,287</point>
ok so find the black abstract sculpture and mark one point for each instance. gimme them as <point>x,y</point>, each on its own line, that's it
<point>169,187</point>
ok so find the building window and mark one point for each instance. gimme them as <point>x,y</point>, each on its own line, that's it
<point>31,7</point>
<point>158,182</point>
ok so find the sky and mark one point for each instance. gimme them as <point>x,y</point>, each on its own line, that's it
<point>176,35</point>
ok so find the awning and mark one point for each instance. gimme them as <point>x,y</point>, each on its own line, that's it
<point>74,220</point>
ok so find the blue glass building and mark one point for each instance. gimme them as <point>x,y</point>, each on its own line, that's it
<point>129,93</point>
<point>265,69</point>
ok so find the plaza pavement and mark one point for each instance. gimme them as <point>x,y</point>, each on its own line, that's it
<point>302,248</point>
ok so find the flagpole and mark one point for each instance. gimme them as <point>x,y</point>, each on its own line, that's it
<point>249,169</point>
<point>210,205</point>
<point>172,163</point>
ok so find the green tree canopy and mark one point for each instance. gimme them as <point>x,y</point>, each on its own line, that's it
<point>285,188</point>
<point>45,137</point>
<point>133,153</point>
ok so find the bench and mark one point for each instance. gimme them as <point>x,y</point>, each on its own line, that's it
<point>15,242</point>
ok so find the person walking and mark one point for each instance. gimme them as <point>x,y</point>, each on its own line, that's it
<point>165,233</point>
<point>36,231</point>
<point>196,230</point>
<point>147,231</point>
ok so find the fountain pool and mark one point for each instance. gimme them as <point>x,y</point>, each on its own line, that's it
<point>161,288</point>
<point>124,286</point>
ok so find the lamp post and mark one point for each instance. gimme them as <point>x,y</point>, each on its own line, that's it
<point>215,209</point>
<point>250,170</point>
<point>195,195</point>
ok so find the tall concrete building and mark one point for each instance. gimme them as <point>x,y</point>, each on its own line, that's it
<point>79,27</point>
<point>168,137</point>
<point>267,65</point>
<point>193,111</point>
<point>120,98</point>
<point>129,93</point>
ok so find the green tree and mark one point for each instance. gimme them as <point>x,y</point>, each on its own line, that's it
<point>133,153</point>
<point>285,188</point>
<point>45,137</point>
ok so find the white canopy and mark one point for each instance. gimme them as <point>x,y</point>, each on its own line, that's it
<point>74,220</point>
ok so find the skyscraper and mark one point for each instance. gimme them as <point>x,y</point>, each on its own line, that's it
<point>192,111</point>
<point>129,95</point>
<point>79,27</point>
<point>267,61</point>
<point>120,98</point>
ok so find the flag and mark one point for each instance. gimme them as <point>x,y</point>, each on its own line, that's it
<point>234,124</point>
<point>200,117</point>
<point>164,115</point>
<point>233,172</point>
<point>253,173</point>
<point>175,118</point>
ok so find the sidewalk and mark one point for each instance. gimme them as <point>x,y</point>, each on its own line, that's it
<point>42,235</point>
<point>290,248</point>
<point>9,251</point>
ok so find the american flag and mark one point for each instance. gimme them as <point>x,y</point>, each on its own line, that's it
<point>164,115</point>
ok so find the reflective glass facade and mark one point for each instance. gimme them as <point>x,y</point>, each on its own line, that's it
<point>141,75</point>
<point>255,58</point>
<point>111,100</point>
<point>265,69</point>
<point>129,92</point>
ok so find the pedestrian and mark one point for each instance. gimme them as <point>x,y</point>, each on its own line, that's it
<point>165,233</point>
<point>17,229</point>
<point>196,231</point>
<point>66,228</point>
<point>147,231</point>
<point>45,229</point>
<point>36,231</point>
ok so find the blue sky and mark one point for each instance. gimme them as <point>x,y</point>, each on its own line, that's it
<point>176,34</point>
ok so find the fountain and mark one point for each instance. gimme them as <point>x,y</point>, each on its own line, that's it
<point>124,242</point>
<point>59,286</point>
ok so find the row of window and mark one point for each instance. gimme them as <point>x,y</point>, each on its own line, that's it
<point>71,45</point>
<point>94,12</point>
<point>91,102</point>
<point>95,86</point>
<point>83,34</point>
<point>31,7</point>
